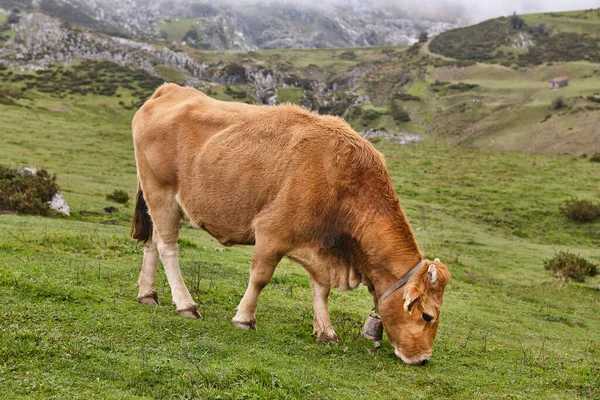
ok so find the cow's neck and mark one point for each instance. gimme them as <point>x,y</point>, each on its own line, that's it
<point>392,250</point>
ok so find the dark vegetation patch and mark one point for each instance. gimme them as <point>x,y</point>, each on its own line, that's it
<point>89,77</point>
<point>398,113</point>
<point>367,116</point>
<point>558,103</point>
<point>580,210</point>
<point>25,192</point>
<point>567,265</point>
<point>236,72</point>
<point>348,55</point>
<point>237,93</point>
<point>440,86</point>
<point>593,99</point>
<point>193,39</point>
<point>476,42</point>
<point>118,196</point>
<point>8,96</point>
<point>405,97</point>
<point>595,157</point>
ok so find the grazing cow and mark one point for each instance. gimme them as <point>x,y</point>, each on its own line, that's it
<point>294,184</point>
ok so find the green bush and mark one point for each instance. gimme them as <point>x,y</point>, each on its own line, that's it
<point>463,87</point>
<point>118,196</point>
<point>567,265</point>
<point>348,55</point>
<point>25,192</point>
<point>406,97</point>
<point>370,115</point>
<point>580,210</point>
<point>399,113</point>
<point>594,99</point>
<point>595,158</point>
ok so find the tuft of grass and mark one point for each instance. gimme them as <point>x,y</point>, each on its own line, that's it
<point>595,157</point>
<point>567,265</point>
<point>118,196</point>
<point>580,210</point>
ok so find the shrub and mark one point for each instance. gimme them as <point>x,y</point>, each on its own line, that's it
<point>580,210</point>
<point>463,87</point>
<point>348,55</point>
<point>118,196</point>
<point>567,265</point>
<point>13,18</point>
<point>558,103</point>
<point>595,158</point>
<point>371,115</point>
<point>406,97</point>
<point>26,192</point>
<point>236,71</point>
<point>399,113</point>
<point>594,99</point>
<point>515,22</point>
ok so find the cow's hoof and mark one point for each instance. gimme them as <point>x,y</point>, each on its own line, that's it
<point>191,311</point>
<point>247,325</point>
<point>327,337</point>
<point>151,298</point>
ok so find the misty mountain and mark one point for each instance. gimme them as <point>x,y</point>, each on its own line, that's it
<point>247,25</point>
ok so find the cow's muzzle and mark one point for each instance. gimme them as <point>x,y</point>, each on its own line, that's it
<point>418,360</point>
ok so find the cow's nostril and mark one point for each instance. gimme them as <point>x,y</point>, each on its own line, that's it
<point>424,362</point>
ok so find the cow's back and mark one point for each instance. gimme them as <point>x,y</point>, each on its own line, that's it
<point>236,166</point>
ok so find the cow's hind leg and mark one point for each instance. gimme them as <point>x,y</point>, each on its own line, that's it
<point>264,262</point>
<point>147,280</point>
<point>166,215</point>
<point>321,322</point>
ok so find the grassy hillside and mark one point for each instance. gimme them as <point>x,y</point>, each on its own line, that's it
<point>527,40</point>
<point>509,329</point>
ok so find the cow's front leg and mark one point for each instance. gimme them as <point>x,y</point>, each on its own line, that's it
<point>264,262</point>
<point>166,215</point>
<point>147,280</point>
<point>321,322</point>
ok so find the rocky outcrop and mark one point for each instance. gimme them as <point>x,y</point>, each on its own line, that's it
<point>395,135</point>
<point>40,41</point>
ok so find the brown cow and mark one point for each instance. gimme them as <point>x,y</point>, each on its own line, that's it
<point>292,183</point>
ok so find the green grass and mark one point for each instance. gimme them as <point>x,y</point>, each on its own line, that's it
<point>290,95</point>
<point>171,74</point>
<point>176,28</point>
<point>72,328</point>
<point>583,22</point>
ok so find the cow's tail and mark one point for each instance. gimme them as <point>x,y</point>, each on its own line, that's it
<point>141,224</point>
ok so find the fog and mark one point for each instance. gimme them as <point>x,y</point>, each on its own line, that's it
<point>468,10</point>
<point>479,10</point>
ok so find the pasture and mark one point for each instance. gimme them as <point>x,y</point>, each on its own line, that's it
<point>71,327</point>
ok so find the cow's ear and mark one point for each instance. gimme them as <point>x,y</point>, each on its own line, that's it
<point>411,297</point>
<point>432,273</point>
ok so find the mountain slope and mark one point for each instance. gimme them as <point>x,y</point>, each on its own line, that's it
<point>526,40</point>
<point>246,25</point>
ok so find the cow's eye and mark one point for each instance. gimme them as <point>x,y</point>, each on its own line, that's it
<point>427,317</point>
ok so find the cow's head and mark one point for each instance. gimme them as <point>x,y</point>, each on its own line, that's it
<point>411,314</point>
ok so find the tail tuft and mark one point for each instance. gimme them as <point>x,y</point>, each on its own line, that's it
<point>141,224</point>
